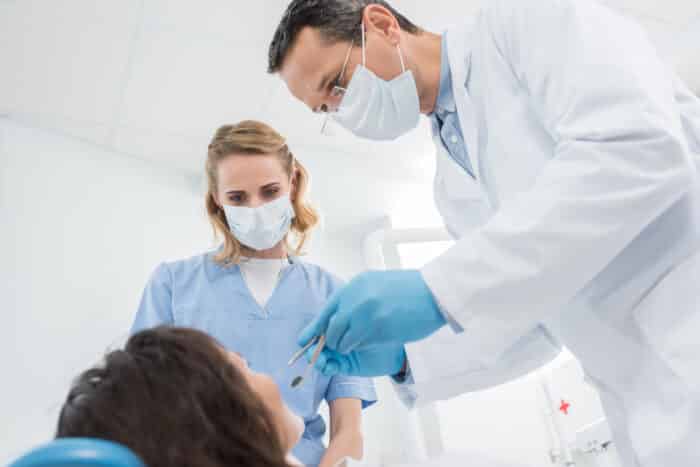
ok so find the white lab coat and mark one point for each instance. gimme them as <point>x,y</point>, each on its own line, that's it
<point>582,226</point>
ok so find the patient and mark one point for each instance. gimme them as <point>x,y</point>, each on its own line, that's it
<point>175,397</point>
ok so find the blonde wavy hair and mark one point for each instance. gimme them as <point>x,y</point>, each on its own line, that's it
<point>251,138</point>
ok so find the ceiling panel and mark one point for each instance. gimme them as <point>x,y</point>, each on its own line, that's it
<point>247,21</point>
<point>676,12</point>
<point>200,64</point>
<point>65,58</point>
<point>182,82</point>
<point>86,131</point>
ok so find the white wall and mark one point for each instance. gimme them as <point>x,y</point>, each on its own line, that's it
<point>81,231</point>
<point>687,61</point>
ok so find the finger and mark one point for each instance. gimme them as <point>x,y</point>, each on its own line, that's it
<point>330,363</point>
<point>345,365</point>
<point>324,358</point>
<point>321,362</point>
<point>337,327</point>
<point>355,338</point>
<point>320,323</point>
<point>326,363</point>
<point>309,354</point>
<point>331,368</point>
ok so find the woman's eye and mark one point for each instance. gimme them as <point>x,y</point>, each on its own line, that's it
<point>272,192</point>
<point>236,198</point>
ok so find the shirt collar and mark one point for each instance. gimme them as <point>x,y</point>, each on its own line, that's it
<point>221,269</point>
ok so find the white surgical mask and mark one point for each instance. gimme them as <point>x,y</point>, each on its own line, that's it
<point>376,109</point>
<point>263,227</point>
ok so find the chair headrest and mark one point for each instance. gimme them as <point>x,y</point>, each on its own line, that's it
<point>79,452</point>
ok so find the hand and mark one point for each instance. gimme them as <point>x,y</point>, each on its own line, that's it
<point>377,308</point>
<point>383,360</point>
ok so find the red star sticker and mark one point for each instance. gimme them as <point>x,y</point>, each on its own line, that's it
<point>564,407</point>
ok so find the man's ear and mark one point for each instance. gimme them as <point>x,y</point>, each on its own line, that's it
<point>379,19</point>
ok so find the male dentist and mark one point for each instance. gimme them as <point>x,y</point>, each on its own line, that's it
<point>568,158</point>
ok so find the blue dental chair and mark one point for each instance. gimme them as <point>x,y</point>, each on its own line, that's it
<point>79,452</point>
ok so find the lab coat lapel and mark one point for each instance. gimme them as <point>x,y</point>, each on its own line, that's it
<point>459,53</point>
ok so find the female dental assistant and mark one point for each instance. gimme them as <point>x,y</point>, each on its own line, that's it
<point>251,294</point>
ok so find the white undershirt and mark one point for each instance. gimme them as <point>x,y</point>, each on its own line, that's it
<point>291,460</point>
<point>261,276</point>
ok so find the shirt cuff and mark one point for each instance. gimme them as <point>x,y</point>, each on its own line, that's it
<point>404,377</point>
<point>348,390</point>
<point>405,390</point>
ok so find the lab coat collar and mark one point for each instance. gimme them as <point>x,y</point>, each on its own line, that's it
<point>459,52</point>
<point>445,100</point>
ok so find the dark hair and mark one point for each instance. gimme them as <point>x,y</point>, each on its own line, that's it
<point>173,397</point>
<point>336,20</point>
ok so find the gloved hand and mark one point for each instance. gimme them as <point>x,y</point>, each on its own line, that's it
<point>385,360</point>
<point>377,308</point>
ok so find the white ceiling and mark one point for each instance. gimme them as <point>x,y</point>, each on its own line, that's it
<point>154,78</point>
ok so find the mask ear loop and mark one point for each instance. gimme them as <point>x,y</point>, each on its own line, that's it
<point>403,67</point>
<point>345,63</point>
<point>364,50</point>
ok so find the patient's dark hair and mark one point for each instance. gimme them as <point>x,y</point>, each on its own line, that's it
<point>173,397</point>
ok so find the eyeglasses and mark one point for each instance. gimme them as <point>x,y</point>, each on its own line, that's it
<point>337,92</point>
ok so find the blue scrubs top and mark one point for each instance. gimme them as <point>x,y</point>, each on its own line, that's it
<point>199,293</point>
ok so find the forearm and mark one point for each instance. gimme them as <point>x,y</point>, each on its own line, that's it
<point>345,443</point>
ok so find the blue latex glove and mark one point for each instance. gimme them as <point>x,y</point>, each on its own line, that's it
<point>385,360</point>
<point>377,308</point>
